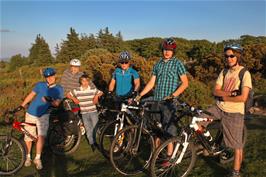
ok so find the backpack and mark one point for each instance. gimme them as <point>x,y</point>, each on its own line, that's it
<point>250,100</point>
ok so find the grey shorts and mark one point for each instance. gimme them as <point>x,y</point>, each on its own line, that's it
<point>232,124</point>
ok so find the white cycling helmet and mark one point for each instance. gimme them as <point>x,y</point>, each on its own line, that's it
<point>75,62</point>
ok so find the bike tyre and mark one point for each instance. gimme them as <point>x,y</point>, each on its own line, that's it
<point>20,151</point>
<point>157,167</point>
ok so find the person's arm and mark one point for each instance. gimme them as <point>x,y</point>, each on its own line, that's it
<point>96,97</point>
<point>70,96</point>
<point>28,98</point>
<point>240,98</point>
<point>136,84</point>
<point>111,85</point>
<point>149,86</point>
<point>219,92</point>
<point>182,87</point>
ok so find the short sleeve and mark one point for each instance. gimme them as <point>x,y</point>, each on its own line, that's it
<point>135,74</point>
<point>155,69</point>
<point>114,75</point>
<point>220,79</point>
<point>37,88</point>
<point>247,82</point>
<point>61,93</point>
<point>181,70</point>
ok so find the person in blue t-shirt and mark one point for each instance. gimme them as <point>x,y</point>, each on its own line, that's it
<point>37,112</point>
<point>125,79</point>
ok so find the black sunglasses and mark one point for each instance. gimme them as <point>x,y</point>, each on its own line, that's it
<point>229,56</point>
<point>124,62</point>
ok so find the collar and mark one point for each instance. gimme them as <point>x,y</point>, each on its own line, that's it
<point>50,86</point>
<point>83,89</point>
<point>235,69</point>
<point>166,61</point>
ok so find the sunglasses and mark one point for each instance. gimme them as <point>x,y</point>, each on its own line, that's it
<point>229,56</point>
<point>124,62</point>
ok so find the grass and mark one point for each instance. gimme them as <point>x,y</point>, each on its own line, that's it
<point>84,162</point>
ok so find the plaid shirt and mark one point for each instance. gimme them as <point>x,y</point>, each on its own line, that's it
<point>167,77</point>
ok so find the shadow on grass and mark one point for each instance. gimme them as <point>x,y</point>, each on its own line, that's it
<point>256,123</point>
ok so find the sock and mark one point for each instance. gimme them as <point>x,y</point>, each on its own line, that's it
<point>38,156</point>
<point>28,156</point>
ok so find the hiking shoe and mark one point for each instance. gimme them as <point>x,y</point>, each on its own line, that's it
<point>27,162</point>
<point>93,147</point>
<point>38,163</point>
<point>234,174</point>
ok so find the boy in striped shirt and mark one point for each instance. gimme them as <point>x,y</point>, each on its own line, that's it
<point>87,96</point>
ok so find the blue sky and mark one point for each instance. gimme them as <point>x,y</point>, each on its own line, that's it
<point>214,20</point>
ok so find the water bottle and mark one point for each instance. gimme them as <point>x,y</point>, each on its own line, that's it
<point>207,135</point>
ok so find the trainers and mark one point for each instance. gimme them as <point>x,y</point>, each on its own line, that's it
<point>82,129</point>
<point>166,163</point>
<point>38,163</point>
<point>27,162</point>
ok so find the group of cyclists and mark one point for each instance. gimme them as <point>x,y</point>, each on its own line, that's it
<point>169,80</point>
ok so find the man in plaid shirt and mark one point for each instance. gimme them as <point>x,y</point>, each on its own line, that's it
<point>170,80</point>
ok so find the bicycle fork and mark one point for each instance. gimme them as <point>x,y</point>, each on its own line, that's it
<point>6,145</point>
<point>185,145</point>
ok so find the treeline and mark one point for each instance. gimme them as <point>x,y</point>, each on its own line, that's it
<point>99,53</point>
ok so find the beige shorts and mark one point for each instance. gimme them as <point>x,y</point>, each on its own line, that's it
<point>42,125</point>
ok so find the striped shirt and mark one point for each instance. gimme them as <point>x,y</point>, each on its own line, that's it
<point>70,81</point>
<point>167,77</point>
<point>85,97</point>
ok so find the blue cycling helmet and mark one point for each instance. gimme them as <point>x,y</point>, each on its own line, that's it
<point>49,72</point>
<point>234,47</point>
<point>124,56</point>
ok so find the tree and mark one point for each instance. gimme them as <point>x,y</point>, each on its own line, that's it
<point>70,48</point>
<point>107,41</point>
<point>16,61</point>
<point>40,53</point>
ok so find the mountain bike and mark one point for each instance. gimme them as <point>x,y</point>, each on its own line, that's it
<point>183,157</point>
<point>124,117</point>
<point>65,130</point>
<point>12,150</point>
<point>133,146</point>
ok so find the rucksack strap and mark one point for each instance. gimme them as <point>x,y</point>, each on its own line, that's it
<point>240,75</point>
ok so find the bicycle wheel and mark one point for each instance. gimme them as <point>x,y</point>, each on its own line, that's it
<point>12,155</point>
<point>164,166</point>
<point>61,144</point>
<point>125,157</point>
<point>107,135</point>
<point>228,154</point>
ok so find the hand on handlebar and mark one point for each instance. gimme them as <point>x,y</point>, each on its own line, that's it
<point>137,98</point>
<point>48,99</point>
<point>18,109</point>
<point>170,97</point>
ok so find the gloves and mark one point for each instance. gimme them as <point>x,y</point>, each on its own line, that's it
<point>134,94</point>
<point>48,98</point>
<point>170,97</point>
<point>137,98</point>
<point>18,109</point>
<point>235,93</point>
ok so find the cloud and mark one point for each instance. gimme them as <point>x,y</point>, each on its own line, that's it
<point>5,30</point>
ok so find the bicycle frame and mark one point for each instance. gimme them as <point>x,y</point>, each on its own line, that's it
<point>20,127</point>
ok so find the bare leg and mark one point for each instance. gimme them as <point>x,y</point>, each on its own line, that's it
<point>39,144</point>
<point>157,142</point>
<point>238,159</point>
<point>170,148</point>
<point>28,146</point>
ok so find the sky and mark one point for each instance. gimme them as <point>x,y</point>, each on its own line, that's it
<point>214,20</point>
